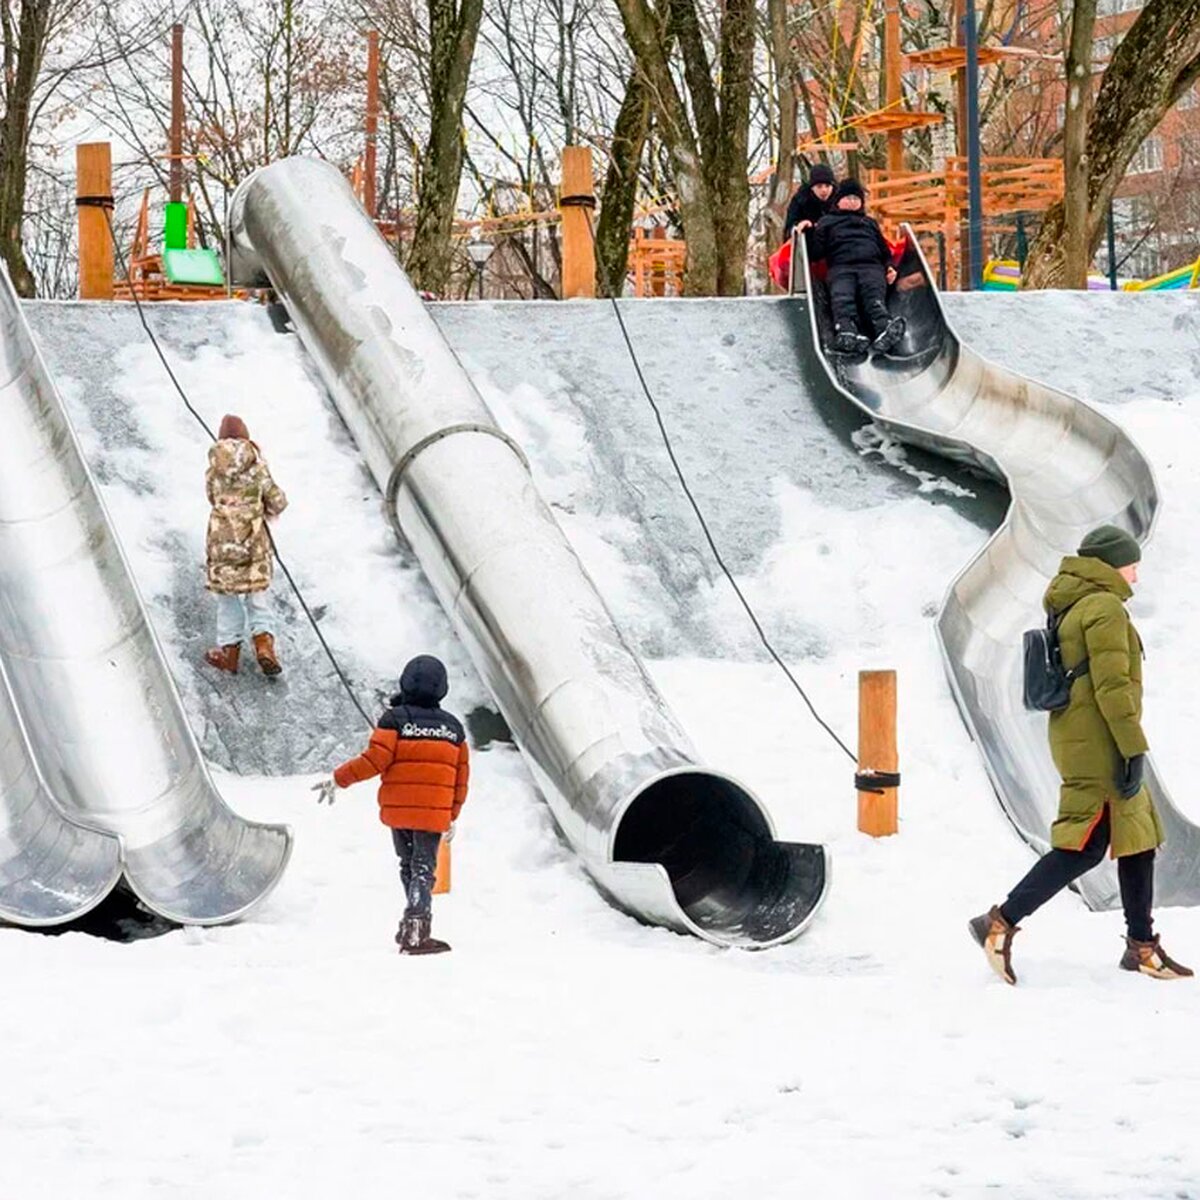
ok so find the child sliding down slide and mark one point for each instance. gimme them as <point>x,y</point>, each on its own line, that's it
<point>859,263</point>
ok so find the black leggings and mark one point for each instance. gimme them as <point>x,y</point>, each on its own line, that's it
<point>1052,872</point>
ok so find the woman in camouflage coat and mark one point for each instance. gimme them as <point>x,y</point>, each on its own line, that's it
<point>243,497</point>
<point>1099,749</point>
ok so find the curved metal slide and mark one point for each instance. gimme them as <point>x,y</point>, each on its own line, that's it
<point>1067,469</point>
<point>100,775</point>
<point>665,837</point>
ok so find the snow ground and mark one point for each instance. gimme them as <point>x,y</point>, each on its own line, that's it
<point>562,1049</point>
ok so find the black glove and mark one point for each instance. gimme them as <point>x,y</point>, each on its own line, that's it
<point>1130,776</point>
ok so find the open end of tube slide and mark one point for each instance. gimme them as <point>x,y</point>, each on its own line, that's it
<point>730,876</point>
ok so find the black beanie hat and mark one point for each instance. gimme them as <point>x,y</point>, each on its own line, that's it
<point>1111,545</point>
<point>849,187</point>
<point>821,173</point>
<point>423,682</point>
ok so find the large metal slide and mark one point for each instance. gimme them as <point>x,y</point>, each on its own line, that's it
<point>666,837</point>
<point>100,775</point>
<point>1068,469</point>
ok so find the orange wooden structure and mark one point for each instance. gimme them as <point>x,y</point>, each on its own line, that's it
<point>656,263</point>
<point>935,203</point>
<point>146,278</point>
<point>878,811</point>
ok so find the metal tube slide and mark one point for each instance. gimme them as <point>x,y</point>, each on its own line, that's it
<point>99,772</point>
<point>1068,469</point>
<point>664,838</point>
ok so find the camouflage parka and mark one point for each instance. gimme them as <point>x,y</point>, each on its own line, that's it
<point>242,494</point>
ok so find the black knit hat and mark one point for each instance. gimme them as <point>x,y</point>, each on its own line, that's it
<point>423,682</point>
<point>849,187</point>
<point>1111,545</point>
<point>821,173</point>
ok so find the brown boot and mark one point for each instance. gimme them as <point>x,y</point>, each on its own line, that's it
<point>264,651</point>
<point>1151,959</point>
<point>414,938</point>
<point>995,935</point>
<point>224,658</point>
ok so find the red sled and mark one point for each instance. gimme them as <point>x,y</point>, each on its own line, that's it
<point>780,266</point>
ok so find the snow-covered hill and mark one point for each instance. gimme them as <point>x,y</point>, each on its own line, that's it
<point>562,1049</point>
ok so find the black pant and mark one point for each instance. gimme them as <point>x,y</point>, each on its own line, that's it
<point>417,852</point>
<point>851,285</point>
<point>1052,872</point>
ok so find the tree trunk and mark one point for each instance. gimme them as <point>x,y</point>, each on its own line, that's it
<point>696,207</point>
<point>785,166</point>
<point>24,46</point>
<point>452,35</point>
<point>728,177</point>
<point>620,187</point>
<point>1156,62</point>
<point>1076,252</point>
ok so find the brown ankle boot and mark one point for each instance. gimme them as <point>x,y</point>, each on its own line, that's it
<point>414,937</point>
<point>224,658</point>
<point>1151,959</point>
<point>264,651</point>
<point>995,935</point>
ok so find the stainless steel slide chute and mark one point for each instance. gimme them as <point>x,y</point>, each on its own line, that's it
<point>666,838</point>
<point>1068,469</point>
<point>100,774</point>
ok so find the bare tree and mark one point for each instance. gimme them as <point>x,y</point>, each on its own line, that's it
<point>262,80</point>
<point>50,53</point>
<point>706,134</point>
<point>453,29</point>
<point>1156,62</point>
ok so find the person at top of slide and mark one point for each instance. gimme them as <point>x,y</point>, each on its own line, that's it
<point>859,272</point>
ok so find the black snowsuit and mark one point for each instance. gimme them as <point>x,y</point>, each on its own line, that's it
<point>804,206</point>
<point>857,256</point>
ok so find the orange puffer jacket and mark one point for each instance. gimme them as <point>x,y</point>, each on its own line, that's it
<point>422,756</point>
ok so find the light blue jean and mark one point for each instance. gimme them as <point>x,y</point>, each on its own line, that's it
<point>239,618</point>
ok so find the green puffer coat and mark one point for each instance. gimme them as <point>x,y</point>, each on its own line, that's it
<point>1102,725</point>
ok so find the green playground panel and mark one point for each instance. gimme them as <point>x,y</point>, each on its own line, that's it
<point>193,266</point>
<point>175,226</point>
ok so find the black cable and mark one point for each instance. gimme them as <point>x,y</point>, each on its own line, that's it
<point>127,271</point>
<point>687,491</point>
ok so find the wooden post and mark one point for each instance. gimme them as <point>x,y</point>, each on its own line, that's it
<point>441,874</point>
<point>877,811</point>
<point>577,202</point>
<point>93,186</point>
<point>176,176</point>
<point>894,91</point>
<point>372,122</point>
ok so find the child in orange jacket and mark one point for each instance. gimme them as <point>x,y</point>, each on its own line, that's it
<point>420,752</point>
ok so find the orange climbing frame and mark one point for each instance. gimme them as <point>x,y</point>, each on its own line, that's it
<point>934,203</point>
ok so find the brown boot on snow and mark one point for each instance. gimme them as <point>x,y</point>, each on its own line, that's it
<point>413,937</point>
<point>224,658</point>
<point>264,651</point>
<point>1151,959</point>
<point>995,935</point>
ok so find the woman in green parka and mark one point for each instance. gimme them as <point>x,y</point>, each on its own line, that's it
<point>1099,749</point>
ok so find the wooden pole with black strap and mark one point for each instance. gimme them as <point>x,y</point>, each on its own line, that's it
<point>93,195</point>
<point>878,776</point>
<point>577,193</point>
